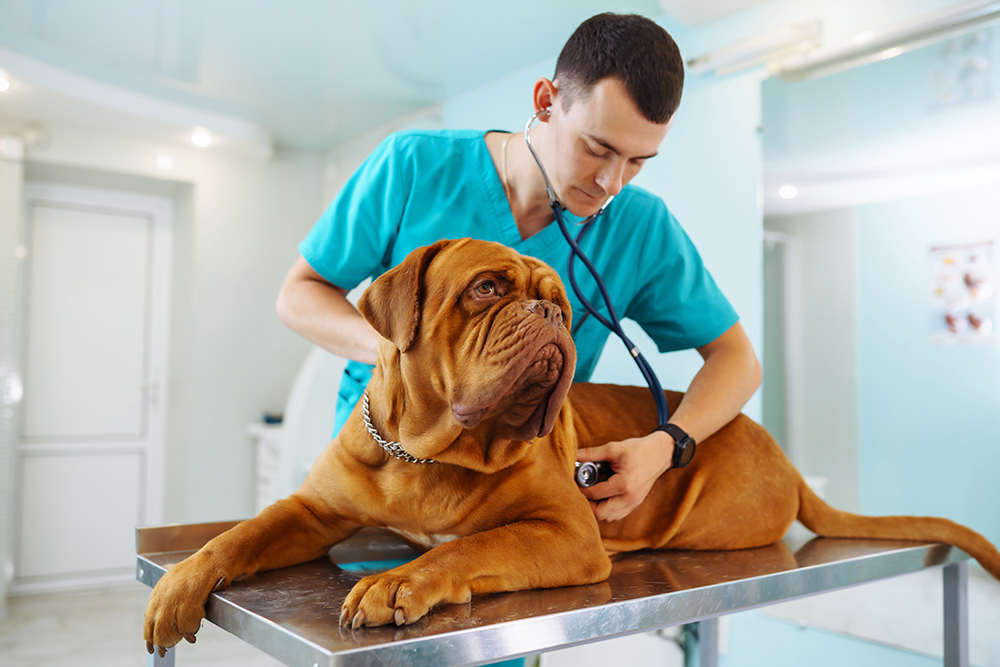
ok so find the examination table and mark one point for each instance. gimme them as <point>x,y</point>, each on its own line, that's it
<point>293,613</point>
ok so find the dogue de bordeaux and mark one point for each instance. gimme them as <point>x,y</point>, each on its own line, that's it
<point>474,383</point>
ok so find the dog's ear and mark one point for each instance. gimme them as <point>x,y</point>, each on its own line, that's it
<point>391,304</point>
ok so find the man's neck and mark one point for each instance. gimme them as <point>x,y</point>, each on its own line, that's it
<point>529,202</point>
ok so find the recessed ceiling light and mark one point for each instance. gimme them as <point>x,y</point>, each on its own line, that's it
<point>201,138</point>
<point>788,191</point>
<point>4,84</point>
<point>164,161</point>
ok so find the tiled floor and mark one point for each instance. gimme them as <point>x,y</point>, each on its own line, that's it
<point>104,629</point>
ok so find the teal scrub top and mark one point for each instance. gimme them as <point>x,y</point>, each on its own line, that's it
<point>421,186</point>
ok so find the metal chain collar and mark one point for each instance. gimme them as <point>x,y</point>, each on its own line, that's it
<point>393,448</point>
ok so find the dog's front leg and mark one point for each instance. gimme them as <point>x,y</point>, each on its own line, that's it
<point>288,532</point>
<point>526,554</point>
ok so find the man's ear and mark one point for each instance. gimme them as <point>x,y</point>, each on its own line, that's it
<point>391,304</point>
<point>544,96</point>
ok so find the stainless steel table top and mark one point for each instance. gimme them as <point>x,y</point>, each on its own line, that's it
<point>293,613</point>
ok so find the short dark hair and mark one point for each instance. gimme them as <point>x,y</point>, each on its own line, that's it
<point>631,48</point>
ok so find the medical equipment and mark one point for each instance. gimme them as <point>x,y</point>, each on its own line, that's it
<point>590,473</point>
<point>611,323</point>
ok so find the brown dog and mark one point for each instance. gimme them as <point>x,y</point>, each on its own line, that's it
<point>474,372</point>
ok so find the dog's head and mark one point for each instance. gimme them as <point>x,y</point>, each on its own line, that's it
<point>480,337</point>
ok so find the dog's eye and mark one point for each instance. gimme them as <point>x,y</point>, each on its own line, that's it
<point>486,288</point>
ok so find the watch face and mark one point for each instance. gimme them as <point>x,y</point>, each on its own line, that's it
<point>685,452</point>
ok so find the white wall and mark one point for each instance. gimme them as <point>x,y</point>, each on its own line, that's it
<point>11,186</point>
<point>237,225</point>
<point>821,348</point>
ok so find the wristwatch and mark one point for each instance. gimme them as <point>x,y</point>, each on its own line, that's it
<point>683,444</point>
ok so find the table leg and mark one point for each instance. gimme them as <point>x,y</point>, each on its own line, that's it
<point>708,642</point>
<point>156,661</point>
<point>956,614</point>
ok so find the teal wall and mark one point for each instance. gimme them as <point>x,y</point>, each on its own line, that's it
<point>758,640</point>
<point>929,415</point>
<point>885,115</point>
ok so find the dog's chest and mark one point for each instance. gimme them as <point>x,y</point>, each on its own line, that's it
<point>428,541</point>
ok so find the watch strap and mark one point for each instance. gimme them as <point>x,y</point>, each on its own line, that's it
<point>684,444</point>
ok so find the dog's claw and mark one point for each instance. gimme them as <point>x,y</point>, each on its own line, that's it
<point>359,620</point>
<point>400,617</point>
<point>344,616</point>
<point>149,648</point>
<point>162,650</point>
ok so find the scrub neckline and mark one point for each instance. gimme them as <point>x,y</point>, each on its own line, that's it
<point>506,226</point>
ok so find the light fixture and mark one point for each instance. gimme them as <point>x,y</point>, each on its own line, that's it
<point>890,53</point>
<point>201,138</point>
<point>868,47</point>
<point>4,84</point>
<point>796,38</point>
<point>788,191</point>
<point>164,161</point>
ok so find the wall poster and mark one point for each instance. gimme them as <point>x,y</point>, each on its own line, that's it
<point>962,303</point>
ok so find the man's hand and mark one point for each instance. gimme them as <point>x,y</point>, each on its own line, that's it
<point>636,462</point>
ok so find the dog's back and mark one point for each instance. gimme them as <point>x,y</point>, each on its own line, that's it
<point>739,491</point>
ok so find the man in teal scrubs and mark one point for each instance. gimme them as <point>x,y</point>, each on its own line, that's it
<point>606,111</point>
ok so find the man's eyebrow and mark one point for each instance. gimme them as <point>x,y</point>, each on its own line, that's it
<point>614,150</point>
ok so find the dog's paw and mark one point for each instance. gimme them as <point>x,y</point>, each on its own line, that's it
<point>399,597</point>
<point>176,608</point>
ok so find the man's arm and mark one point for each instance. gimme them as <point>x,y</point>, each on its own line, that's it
<point>320,311</point>
<point>723,385</point>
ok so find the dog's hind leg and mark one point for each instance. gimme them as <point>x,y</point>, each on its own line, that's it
<point>288,532</point>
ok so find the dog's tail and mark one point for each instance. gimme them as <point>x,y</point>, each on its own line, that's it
<point>826,521</point>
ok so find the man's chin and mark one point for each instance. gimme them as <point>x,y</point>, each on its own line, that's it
<point>583,205</point>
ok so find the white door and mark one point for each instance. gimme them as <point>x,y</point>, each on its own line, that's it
<point>90,451</point>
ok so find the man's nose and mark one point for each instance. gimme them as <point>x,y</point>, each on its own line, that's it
<point>611,178</point>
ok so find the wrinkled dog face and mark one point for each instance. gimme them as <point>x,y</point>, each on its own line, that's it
<point>491,335</point>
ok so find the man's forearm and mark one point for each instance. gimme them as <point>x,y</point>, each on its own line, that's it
<point>322,314</point>
<point>730,376</point>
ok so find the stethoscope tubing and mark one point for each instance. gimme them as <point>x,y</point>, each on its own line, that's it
<point>663,413</point>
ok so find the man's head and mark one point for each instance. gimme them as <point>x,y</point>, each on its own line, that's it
<point>617,85</point>
<point>634,50</point>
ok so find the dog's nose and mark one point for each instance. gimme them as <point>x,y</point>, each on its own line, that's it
<point>547,310</point>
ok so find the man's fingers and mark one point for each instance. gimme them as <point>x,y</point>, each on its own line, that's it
<point>612,486</point>
<point>599,453</point>
<point>613,509</point>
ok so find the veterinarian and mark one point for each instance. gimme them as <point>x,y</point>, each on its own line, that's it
<point>606,111</point>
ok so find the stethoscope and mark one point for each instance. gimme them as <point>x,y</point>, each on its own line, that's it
<point>590,474</point>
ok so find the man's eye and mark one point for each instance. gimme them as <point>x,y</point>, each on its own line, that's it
<point>486,287</point>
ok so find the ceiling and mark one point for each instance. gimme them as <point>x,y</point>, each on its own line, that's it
<point>702,12</point>
<point>312,73</point>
